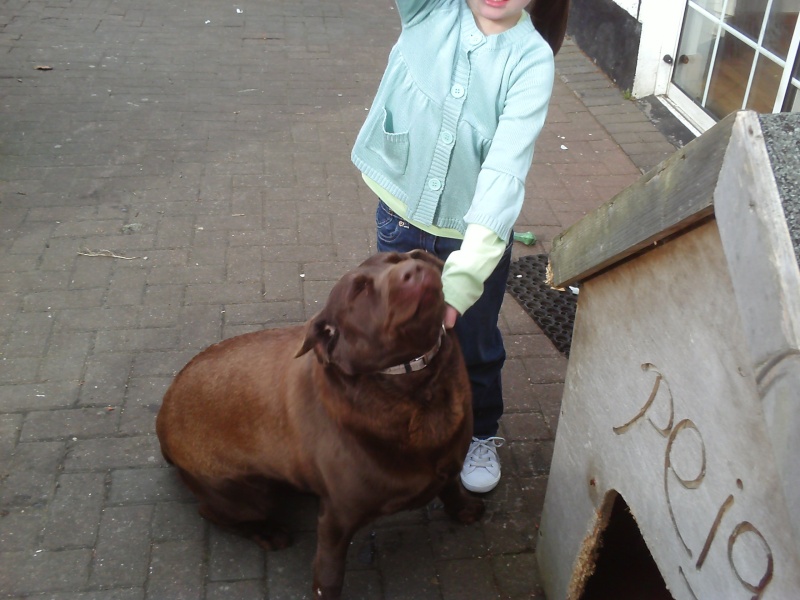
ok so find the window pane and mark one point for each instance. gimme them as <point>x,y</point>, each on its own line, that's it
<point>694,55</point>
<point>746,16</point>
<point>712,6</point>
<point>794,95</point>
<point>780,27</point>
<point>729,79</point>
<point>766,82</point>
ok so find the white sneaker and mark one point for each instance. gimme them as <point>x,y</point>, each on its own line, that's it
<point>481,470</point>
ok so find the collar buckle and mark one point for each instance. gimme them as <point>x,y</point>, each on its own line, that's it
<point>418,363</point>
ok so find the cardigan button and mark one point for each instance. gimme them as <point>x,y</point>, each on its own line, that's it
<point>474,38</point>
<point>434,184</point>
<point>457,91</point>
<point>447,138</point>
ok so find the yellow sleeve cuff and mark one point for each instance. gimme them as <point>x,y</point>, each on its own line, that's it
<point>466,269</point>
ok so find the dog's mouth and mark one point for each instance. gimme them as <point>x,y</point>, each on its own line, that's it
<point>417,295</point>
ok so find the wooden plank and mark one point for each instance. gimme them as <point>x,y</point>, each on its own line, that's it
<point>673,196</point>
<point>766,282</point>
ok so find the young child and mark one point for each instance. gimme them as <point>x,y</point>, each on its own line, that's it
<point>446,147</point>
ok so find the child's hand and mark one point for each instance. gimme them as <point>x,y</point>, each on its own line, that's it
<point>450,315</point>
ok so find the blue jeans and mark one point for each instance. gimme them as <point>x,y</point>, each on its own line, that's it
<point>480,338</point>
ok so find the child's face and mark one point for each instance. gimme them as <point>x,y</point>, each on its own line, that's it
<point>496,16</point>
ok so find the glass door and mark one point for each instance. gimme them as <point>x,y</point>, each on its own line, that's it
<point>736,54</point>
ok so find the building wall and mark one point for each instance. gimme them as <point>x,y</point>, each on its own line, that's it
<point>609,34</point>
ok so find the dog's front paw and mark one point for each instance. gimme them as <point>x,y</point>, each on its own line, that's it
<point>460,504</point>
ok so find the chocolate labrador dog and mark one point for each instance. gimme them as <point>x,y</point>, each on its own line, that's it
<point>367,406</point>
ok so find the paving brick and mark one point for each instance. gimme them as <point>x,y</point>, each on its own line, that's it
<point>510,532</point>
<point>68,423</point>
<point>106,594</point>
<point>264,312</point>
<point>105,379</point>
<point>282,282</point>
<point>165,295</point>
<point>39,571</point>
<point>234,557</point>
<point>19,370</point>
<point>146,391</point>
<point>52,300</point>
<point>517,577</point>
<point>37,396</point>
<point>519,393</point>
<point>546,370</point>
<point>75,511</point>
<point>168,364</point>
<point>93,319</point>
<point>177,571</point>
<point>224,293</point>
<point>407,564</point>
<point>20,529</point>
<point>113,453</point>
<point>452,540</point>
<point>203,326</point>
<point>289,570</point>
<point>10,427</point>
<point>32,474</point>
<point>467,579</point>
<point>65,357</point>
<point>532,458</point>
<point>532,345</point>
<point>174,521</point>
<point>146,486</point>
<point>527,426</point>
<point>122,553</point>
<point>126,287</point>
<point>126,340</point>
<point>236,590</point>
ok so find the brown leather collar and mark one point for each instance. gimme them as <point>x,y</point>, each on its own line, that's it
<point>418,363</point>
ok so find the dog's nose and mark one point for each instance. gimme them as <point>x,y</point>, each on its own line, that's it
<point>409,272</point>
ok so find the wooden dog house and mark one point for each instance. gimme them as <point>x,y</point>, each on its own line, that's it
<point>681,407</point>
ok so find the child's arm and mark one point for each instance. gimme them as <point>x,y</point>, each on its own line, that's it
<point>412,11</point>
<point>500,188</point>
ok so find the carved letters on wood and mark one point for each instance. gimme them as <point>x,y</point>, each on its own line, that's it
<point>673,433</point>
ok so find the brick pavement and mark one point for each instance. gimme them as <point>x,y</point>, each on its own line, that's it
<point>206,145</point>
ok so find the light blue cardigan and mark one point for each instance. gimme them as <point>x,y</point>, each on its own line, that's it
<point>452,127</point>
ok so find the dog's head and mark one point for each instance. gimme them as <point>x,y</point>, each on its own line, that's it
<point>386,311</point>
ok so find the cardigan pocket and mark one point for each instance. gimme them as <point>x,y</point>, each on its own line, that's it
<point>391,147</point>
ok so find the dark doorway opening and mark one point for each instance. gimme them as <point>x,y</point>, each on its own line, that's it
<point>624,569</point>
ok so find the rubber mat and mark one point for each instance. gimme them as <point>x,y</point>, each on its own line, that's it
<point>553,311</point>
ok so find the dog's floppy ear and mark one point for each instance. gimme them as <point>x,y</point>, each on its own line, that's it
<point>321,336</point>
